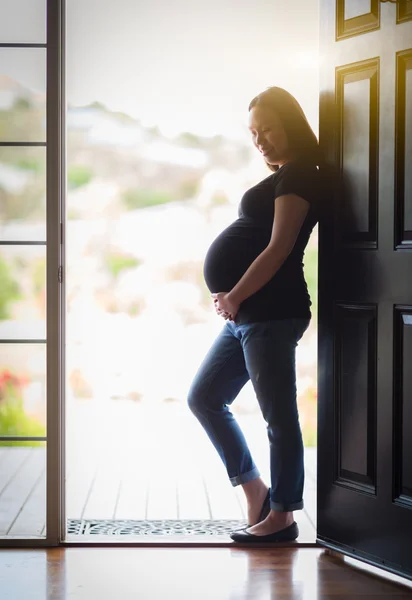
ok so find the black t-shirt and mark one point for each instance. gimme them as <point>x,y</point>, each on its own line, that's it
<point>233,251</point>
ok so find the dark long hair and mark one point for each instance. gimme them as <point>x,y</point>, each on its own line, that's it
<point>301,139</point>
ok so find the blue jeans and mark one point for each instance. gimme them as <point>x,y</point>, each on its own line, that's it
<point>263,352</point>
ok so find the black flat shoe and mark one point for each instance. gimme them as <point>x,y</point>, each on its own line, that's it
<point>265,510</point>
<point>289,534</point>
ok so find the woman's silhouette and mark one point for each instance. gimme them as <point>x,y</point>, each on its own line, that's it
<point>254,270</point>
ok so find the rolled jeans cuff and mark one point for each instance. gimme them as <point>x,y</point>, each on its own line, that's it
<point>286,507</point>
<point>245,477</point>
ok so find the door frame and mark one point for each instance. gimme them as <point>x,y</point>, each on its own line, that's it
<point>55,295</point>
<point>344,59</point>
<point>56,309</point>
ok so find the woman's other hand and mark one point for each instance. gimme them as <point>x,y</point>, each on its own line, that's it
<point>224,305</point>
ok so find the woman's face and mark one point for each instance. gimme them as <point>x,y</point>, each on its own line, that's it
<point>268,135</point>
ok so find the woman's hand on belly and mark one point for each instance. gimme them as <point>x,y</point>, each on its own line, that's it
<point>224,306</point>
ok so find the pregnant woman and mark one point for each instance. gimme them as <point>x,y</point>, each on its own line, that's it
<point>254,271</point>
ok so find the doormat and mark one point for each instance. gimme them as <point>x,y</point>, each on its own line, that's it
<point>166,527</point>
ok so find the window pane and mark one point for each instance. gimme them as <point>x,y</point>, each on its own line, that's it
<point>22,292</point>
<point>22,489</point>
<point>23,390</point>
<point>22,194</point>
<point>22,95</point>
<point>23,21</point>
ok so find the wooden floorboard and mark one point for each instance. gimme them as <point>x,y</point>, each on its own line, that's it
<point>111,483</point>
<point>11,463</point>
<point>133,496</point>
<point>32,517</point>
<point>233,573</point>
<point>15,496</point>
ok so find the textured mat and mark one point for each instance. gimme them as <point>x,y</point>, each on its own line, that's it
<point>166,527</point>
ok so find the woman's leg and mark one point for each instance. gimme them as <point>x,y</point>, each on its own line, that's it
<point>269,350</point>
<point>218,381</point>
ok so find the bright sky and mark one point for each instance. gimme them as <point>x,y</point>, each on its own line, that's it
<point>191,65</point>
<point>181,64</point>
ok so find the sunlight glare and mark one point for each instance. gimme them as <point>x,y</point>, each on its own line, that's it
<point>309,59</point>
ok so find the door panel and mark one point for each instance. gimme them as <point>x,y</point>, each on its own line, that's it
<point>355,369</point>
<point>30,256</point>
<point>356,16</point>
<point>403,154</point>
<point>403,407</point>
<point>358,109</point>
<point>404,11</point>
<point>365,285</point>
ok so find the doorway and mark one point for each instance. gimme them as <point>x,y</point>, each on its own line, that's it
<point>158,156</point>
<point>156,142</point>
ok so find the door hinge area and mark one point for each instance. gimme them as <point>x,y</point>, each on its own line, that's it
<point>60,274</point>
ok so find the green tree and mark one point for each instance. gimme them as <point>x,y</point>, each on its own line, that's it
<point>78,175</point>
<point>189,187</point>
<point>97,106</point>
<point>118,262</point>
<point>190,140</point>
<point>143,198</point>
<point>39,275</point>
<point>29,204</point>
<point>9,290</point>
<point>22,104</point>
<point>13,419</point>
<point>31,163</point>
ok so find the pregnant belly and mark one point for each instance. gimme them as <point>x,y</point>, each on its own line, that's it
<point>231,254</point>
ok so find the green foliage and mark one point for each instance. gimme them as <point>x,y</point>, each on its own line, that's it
<point>217,140</point>
<point>28,202</point>
<point>39,275</point>
<point>28,205</point>
<point>308,405</point>
<point>190,140</point>
<point>25,158</point>
<point>73,214</point>
<point>219,199</point>
<point>78,176</point>
<point>97,106</point>
<point>9,290</point>
<point>30,163</point>
<point>22,104</point>
<point>154,132</point>
<point>311,276</point>
<point>124,118</point>
<point>143,198</point>
<point>15,422</point>
<point>13,419</point>
<point>118,262</point>
<point>188,188</point>
<point>310,436</point>
<point>23,121</point>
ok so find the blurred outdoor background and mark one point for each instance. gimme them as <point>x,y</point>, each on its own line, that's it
<point>158,157</point>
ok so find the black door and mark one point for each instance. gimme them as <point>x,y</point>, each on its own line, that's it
<point>365,284</point>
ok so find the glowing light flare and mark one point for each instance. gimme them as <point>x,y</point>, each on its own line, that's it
<point>309,59</point>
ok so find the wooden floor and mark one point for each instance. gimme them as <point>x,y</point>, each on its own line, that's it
<point>120,473</point>
<point>22,491</point>
<point>187,574</point>
<point>105,491</point>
